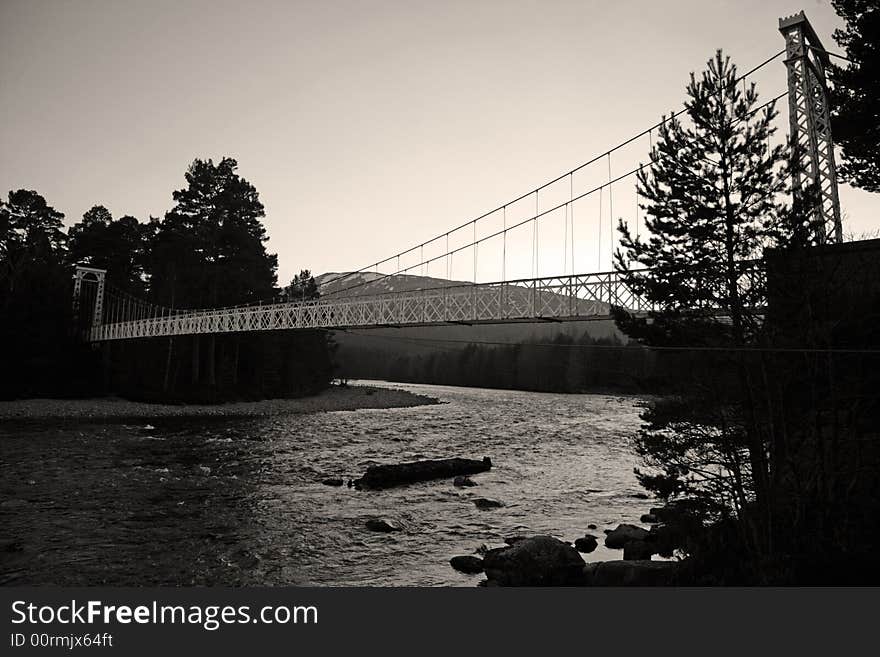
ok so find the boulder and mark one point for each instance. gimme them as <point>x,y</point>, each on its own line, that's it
<point>463,481</point>
<point>678,522</point>
<point>467,564</point>
<point>380,525</point>
<point>637,550</point>
<point>333,481</point>
<point>386,476</point>
<point>586,544</point>
<point>666,538</point>
<point>513,540</point>
<point>649,518</point>
<point>630,573</point>
<point>619,537</point>
<point>535,561</point>
<point>591,526</point>
<point>485,503</point>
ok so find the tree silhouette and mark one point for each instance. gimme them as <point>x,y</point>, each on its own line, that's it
<point>222,213</point>
<point>121,247</point>
<point>31,236</point>
<point>34,296</point>
<point>711,200</point>
<point>302,287</point>
<point>856,93</point>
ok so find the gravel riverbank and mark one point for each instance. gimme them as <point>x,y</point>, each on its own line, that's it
<point>335,398</point>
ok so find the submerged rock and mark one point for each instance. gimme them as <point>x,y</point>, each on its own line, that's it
<point>463,481</point>
<point>535,561</point>
<point>467,564</point>
<point>386,476</point>
<point>333,481</point>
<point>620,536</point>
<point>486,503</point>
<point>380,525</point>
<point>586,544</point>
<point>630,573</point>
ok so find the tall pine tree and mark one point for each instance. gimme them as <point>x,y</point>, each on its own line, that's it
<point>712,201</point>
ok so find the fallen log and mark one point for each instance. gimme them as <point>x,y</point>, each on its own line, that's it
<point>387,476</point>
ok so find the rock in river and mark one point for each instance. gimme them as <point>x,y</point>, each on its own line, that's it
<point>467,564</point>
<point>386,476</point>
<point>333,481</point>
<point>485,503</point>
<point>630,573</point>
<point>587,543</point>
<point>535,561</point>
<point>380,525</point>
<point>619,537</point>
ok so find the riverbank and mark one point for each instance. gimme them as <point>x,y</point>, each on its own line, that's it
<point>102,409</point>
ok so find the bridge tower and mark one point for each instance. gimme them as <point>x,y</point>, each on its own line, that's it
<point>810,118</point>
<point>89,274</point>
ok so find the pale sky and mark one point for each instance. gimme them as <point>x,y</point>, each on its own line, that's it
<point>369,126</point>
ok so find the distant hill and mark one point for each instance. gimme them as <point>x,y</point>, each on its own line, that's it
<point>370,283</point>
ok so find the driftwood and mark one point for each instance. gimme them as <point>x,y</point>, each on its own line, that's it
<point>386,476</point>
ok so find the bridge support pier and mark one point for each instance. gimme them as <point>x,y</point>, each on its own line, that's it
<point>82,275</point>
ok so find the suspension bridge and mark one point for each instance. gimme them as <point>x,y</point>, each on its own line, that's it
<point>509,235</point>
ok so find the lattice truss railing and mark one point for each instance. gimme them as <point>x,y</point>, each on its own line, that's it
<point>580,297</point>
<point>584,296</point>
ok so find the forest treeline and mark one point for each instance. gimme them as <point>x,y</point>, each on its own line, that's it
<point>562,363</point>
<point>208,250</point>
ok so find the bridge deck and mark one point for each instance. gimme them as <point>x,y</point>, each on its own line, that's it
<point>586,296</point>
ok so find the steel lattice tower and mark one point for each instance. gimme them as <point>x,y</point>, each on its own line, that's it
<point>810,117</point>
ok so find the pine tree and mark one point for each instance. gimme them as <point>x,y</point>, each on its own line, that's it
<point>856,93</point>
<point>222,214</point>
<point>35,297</point>
<point>119,246</point>
<point>302,287</point>
<point>712,201</point>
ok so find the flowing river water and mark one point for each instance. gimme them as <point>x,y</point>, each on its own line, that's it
<point>239,501</point>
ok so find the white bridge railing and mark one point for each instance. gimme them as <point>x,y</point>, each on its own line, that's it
<point>562,298</point>
<point>587,296</point>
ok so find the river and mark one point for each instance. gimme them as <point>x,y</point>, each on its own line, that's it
<point>239,502</point>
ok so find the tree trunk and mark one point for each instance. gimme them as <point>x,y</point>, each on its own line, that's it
<point>210,361</point>
<point>169,358</point>
<point>196,358</point>
<point>165,381</point>
<point>235,361</point>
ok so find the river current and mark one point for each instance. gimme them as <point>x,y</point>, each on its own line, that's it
<point>239,501</point>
